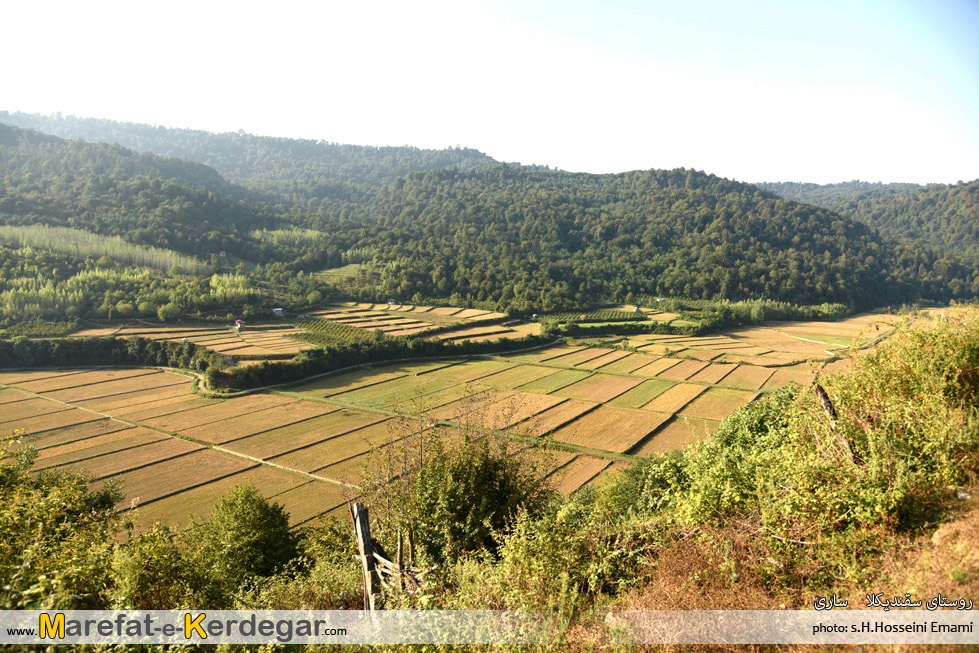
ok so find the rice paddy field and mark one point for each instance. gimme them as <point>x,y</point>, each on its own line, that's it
<point>580,411</point>
<point>448,323</point>
<point>254,341</point>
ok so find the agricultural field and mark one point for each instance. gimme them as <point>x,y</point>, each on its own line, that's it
<point>580,411</point>
<point>443,322</point>
<point>250,342</point>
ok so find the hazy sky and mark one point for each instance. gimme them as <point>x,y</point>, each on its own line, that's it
<point>785,90</point>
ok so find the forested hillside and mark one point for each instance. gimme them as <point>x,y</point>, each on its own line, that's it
<point>529,238</point>
<point>305,170</point>
<point>107,189</point>
<point>510,237</point>
<point>939,216</point>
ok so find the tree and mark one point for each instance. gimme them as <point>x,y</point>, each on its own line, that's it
<point>168,312</point>
<point>245,537</point>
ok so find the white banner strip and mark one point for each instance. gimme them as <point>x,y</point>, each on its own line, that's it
<point>270,626</point>
<point>649,627</point>
<point>797,626</point>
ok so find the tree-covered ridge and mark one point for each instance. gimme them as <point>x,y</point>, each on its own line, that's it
<point>943,217</point>
<point>107,189</point>
<point>291,168</point>
<point>538,239</point>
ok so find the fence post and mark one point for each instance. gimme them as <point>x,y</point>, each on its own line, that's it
<point>372,581</point>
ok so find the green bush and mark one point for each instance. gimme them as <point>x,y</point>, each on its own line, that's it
<point>245,537</point>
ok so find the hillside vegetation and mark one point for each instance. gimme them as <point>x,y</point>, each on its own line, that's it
<point>784,503</point>
<point>109,190</point>
<point>942,217</point>
<point>507,238</point>
<point>535,238</point>
<point>308,170</point>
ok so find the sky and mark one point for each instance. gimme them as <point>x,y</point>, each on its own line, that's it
<point>788,90</point>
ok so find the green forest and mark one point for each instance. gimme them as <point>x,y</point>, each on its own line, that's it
<point>942,217</point>
<point>440,226</point>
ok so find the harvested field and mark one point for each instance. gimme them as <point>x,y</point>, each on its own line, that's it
<point>391,392</point>
<point>617,401</point>
<point>349,470</point>
<point>286,439</point>
<point>642,394</point>
<point>75,450</point>
<point>556,417</point>
<point>59,436</point>
<point>610,428</point>
<point>682,370</point>
<point>675,398</point>
<point>295,436</point>
<point>322,454</point>
<point>576,473</point>
<point>120,386</point>
<point>47,384</point>
<point>630,363</point>
<point>179,510</point>
<point>556,381</point>
<point>224,409</point>
<point>161,407</point>
<point>267,419</point>
<point>836,366</point>
<point>602,361</point>
<point>9,396</point>
<point>136,398</point>
<point>13,378</point>
<point>307,502</point>
<point>701,354</point>
<point>717,403</point>
<point>801,374</point>
<point>550,353</point>
<point>515,407</point>
<point>48,421</point>
<point>433,400</point>
<point>470,404</point>
<point>28,409</point>
<point>713,373</point>
<point>516,376</point>
<point>680,432</point>
<point>170,477</point>
<point>470,370</point>
<point>657,367</point>
<point>576,358</point>
<point>599,387</point>
<point>333,385</point>
<point>748,376</point>
<point>118,461</point>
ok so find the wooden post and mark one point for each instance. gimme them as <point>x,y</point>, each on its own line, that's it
<point>372,580</point>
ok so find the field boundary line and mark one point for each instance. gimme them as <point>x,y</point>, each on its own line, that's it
<point>342,370</point>
<point>185,438</point>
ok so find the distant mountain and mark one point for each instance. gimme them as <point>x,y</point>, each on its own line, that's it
<point>110,190</point>
<point>939,216</point>
<point>306,170</point>
<point>521,237</point>
<point>534,238</point>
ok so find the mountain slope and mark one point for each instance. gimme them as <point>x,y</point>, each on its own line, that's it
<point>289,168</point>
<point>531,238</point>
<point>109,190</point>
<point>939,216</point>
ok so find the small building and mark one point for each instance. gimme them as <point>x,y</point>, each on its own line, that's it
<point>277,312</point>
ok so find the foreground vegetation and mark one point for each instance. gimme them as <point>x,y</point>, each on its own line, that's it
<point>783,502</point>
